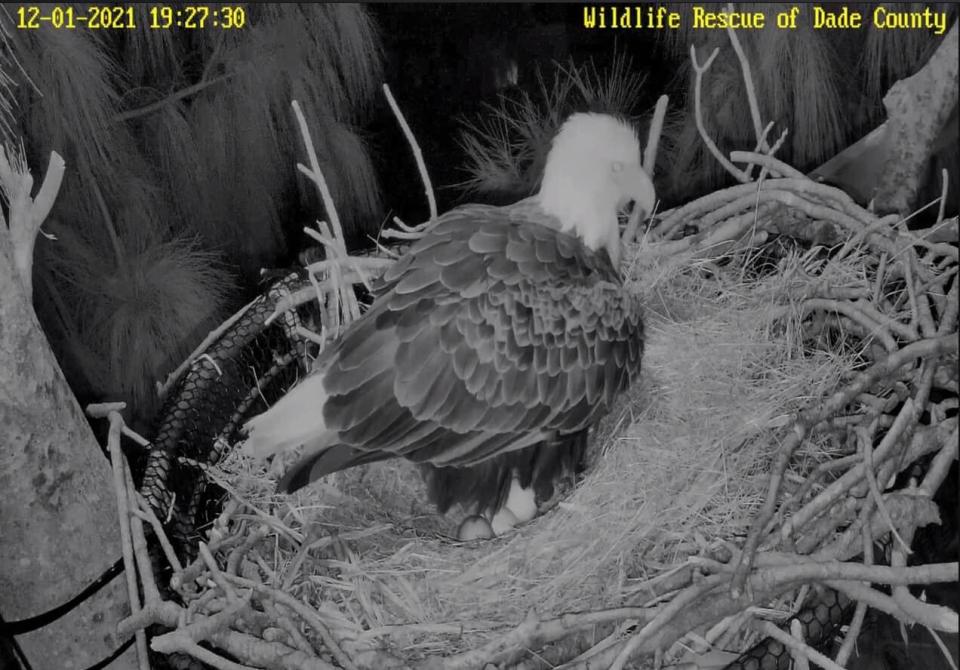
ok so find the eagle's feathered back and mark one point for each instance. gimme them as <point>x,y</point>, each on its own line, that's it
<point>491,329</point>
<point>497,331</point>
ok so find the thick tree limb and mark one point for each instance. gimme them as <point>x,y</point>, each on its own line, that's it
<point>917,108</point>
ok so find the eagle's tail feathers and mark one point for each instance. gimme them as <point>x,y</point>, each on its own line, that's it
<point>297,418</point>
<point>330,460</point>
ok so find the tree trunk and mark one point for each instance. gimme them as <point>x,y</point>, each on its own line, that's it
<point>917,108</point>
<point>58,518</point>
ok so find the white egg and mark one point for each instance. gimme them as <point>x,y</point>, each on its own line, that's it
<point>474,528</point>
<point>503,521</point>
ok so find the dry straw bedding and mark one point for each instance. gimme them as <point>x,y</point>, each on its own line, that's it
<point>682,459</point>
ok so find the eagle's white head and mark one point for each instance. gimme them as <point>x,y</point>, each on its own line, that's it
<point>593,170</point>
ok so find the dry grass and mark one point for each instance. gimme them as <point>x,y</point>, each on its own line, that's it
<point>684,455</point>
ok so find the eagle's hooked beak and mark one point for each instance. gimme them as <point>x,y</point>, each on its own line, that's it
<point>634,184</point>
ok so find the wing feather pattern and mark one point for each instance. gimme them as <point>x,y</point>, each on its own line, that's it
<point>493,333</point>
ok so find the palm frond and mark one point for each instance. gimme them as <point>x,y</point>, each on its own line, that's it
<point>172,145</point>
<point>817,115</point>
<point>138,320</point>
<point>11,72</point>
<point>506,146</point>
<point>192,138</point>
<point>242,174</point>
<point>493,157</point>
<point>890,55</point>
<point>75,72</point>
<point>324,56</point>
<point>613,90</point>
<point>151,57</point>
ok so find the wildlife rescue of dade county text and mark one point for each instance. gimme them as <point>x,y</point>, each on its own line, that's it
<point>711,17</point>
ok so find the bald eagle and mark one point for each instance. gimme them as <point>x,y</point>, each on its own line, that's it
<point>493,344</point>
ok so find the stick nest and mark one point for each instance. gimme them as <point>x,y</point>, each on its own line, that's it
<point>744,354</point>
<point>784,388</point>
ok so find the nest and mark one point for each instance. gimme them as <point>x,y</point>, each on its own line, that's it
<point>685,453</point>
<point>678,471</point>
<point>784,387</point>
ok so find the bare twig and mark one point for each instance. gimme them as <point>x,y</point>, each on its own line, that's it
<point>748,85</point>
<point>797,648</point>
<point>215,573</point>
<point>944,179</point>
<point>800,660</point>
<point>860,613</point>
<point>308,614</point>
<point>417,153</point>
<point>145,512</point>
<point>866,447</point>
<point>118,463</point>
<point>313,172</point>
<point>532,632</point>
<point>926,348</point>
<point>776,166</point>
<point>653,136</point>
<point>699,71</point>
<point>305,295</point>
